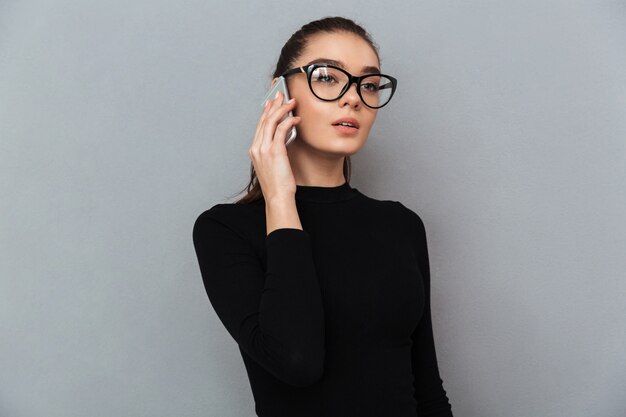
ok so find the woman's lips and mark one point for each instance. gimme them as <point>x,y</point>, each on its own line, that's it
<point>346,130</point>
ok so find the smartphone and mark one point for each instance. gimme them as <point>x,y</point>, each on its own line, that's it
<point>281,85</point>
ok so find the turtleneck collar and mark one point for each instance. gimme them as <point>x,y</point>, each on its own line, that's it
<point>321,194</point>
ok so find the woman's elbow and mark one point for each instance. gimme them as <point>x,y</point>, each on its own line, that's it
<point>304,370</point>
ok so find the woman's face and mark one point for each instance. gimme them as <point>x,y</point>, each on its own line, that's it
<point>316,128</point>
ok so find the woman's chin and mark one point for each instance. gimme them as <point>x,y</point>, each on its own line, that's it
<point>340,146</point>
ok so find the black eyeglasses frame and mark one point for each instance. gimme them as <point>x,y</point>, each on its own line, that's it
<point>308,70</point>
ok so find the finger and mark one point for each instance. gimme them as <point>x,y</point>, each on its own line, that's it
<point>283,130</point>
<point>269,128</point>
<point>273,103</point>
<point>261,122</point>
<point>262,127</point>
<point>277,111</point>
<point>275,116</point>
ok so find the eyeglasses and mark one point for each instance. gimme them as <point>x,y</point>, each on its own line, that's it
<point>329,83</point>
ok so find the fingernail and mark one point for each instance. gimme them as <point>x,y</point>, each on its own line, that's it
<point>276,96</point>
<point>291,100</point>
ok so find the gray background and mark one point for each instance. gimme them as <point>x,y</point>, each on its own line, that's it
<point>121,121</point>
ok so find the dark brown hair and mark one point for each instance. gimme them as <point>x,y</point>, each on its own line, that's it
<point>290,52</point>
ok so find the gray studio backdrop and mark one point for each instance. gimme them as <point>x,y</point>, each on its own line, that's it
<point>120,122</point>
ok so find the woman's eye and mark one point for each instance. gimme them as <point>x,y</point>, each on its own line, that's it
<point>324,78</point>
<point>370,87</point>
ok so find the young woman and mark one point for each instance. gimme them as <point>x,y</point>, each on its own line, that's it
<point>325,290</point>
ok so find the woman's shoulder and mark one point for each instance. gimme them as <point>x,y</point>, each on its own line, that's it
<point>407,211</point>
<point>240,218</point>
<point>394,207</point>
<point>412,217</point>
<point>231,211</point>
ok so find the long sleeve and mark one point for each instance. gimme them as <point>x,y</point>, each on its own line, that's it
<point>275,315</point>
<point>430,395</point>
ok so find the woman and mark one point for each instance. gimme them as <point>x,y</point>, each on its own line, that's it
<point>325,290</point>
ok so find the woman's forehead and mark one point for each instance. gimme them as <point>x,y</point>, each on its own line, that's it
<point>350,50</point>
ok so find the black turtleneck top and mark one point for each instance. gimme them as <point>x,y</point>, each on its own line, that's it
<point>332,320</point>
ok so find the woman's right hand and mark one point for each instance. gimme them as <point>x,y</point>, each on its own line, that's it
<point>269,153</point>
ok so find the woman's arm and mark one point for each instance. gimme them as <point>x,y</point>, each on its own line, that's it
<point>431,397</point>
<point>276,315</point>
